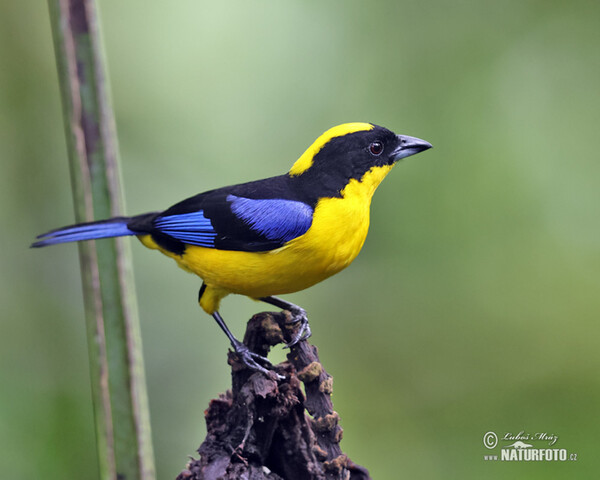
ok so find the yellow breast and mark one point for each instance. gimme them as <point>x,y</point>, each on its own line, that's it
<point>333,241</point>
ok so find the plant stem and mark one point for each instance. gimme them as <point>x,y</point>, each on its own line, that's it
<point>114,341</point>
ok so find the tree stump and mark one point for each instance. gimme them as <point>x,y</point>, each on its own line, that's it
<point>269,429</point>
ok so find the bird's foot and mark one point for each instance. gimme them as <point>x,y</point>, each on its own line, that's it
<point>299,315</point>
<point>253,360</point>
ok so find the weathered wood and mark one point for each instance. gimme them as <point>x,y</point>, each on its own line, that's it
<point>269,429</point>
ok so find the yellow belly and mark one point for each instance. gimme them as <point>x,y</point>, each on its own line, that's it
<point>333,241</point>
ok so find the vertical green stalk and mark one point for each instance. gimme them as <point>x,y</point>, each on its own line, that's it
<point>114,342</point>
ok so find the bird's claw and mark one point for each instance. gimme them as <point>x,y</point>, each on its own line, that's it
<point>253,360</point>
<point>299,315</point>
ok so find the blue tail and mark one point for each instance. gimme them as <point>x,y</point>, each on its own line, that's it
<point>113,227</point>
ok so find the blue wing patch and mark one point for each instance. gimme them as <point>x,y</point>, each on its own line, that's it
<point>267,224</point>
<point>275,219</point>
<point>193,228</point>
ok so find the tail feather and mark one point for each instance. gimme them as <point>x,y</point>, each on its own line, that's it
<point>113,227</point>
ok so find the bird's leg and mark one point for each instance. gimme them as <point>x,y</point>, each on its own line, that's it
<point>248,358</point>
<point>298,315</point>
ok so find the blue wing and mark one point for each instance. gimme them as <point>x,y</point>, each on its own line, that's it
<point>237,223</point>
<point>192,228</point>
<point>275,219</point>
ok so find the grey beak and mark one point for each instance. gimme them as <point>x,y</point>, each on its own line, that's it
<point>408,146</point>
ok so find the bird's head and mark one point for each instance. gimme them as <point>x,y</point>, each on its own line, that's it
<point>357,151</point>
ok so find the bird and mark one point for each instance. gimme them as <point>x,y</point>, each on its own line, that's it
<point>273,236</point>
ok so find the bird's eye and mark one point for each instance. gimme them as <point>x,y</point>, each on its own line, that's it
<point>376,148</point>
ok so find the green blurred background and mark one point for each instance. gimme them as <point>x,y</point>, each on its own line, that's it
<point>474,305</point>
